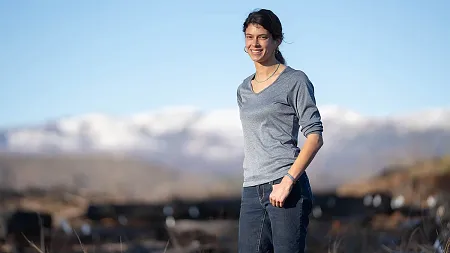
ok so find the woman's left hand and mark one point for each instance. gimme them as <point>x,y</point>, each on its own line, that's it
<point>280,192</point>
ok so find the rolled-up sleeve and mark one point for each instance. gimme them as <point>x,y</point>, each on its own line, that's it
<point>304,103</point>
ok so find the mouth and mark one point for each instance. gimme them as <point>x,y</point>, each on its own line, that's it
<point>256,51</point>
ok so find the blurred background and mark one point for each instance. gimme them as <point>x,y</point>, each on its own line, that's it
<point>119,120</point>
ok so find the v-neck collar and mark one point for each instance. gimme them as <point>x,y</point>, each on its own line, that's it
<point>281,75</point>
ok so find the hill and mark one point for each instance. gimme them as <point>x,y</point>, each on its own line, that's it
<point>415,182</point>
<point>114,176</point>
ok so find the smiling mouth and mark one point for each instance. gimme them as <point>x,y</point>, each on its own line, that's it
<point>256,51</point>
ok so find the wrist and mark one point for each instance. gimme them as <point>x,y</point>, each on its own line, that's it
<point>290,177</point>
<point>287,180</point>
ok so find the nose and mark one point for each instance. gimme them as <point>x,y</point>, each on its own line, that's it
<point>255,42</point>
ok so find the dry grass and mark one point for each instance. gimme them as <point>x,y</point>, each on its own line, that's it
<point>367,242</point>
<point>424,177</point>
<point>177,249</point>
<point>354,240</point>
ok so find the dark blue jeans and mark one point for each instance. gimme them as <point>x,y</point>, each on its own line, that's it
<point>264,228</point>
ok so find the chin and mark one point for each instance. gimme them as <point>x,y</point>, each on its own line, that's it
<point>259,60</point>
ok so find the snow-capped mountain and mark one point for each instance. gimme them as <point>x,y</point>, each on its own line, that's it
<point>191,139</point>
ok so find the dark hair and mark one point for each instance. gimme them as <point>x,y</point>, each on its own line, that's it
<point>270,22</point>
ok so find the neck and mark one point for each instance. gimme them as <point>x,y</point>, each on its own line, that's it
<point>265,68</point>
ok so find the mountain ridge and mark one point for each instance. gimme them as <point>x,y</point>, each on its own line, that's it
<point>192,139</point>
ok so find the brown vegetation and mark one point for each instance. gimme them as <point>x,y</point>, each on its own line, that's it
<point>105,176</point>
<point>416,181</point>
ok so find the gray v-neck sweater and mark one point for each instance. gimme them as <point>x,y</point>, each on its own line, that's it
<point>271,121</point>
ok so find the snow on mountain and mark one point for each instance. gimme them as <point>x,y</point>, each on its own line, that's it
<point>190,138</point>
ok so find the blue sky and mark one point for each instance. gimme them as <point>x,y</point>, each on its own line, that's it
<point>60,58</point>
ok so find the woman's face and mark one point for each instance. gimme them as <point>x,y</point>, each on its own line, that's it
<point>259,43</point>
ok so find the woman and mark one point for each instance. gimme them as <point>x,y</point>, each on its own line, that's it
<point>274,103</point>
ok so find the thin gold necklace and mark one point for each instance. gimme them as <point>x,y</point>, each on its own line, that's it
<point>269,76</point>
